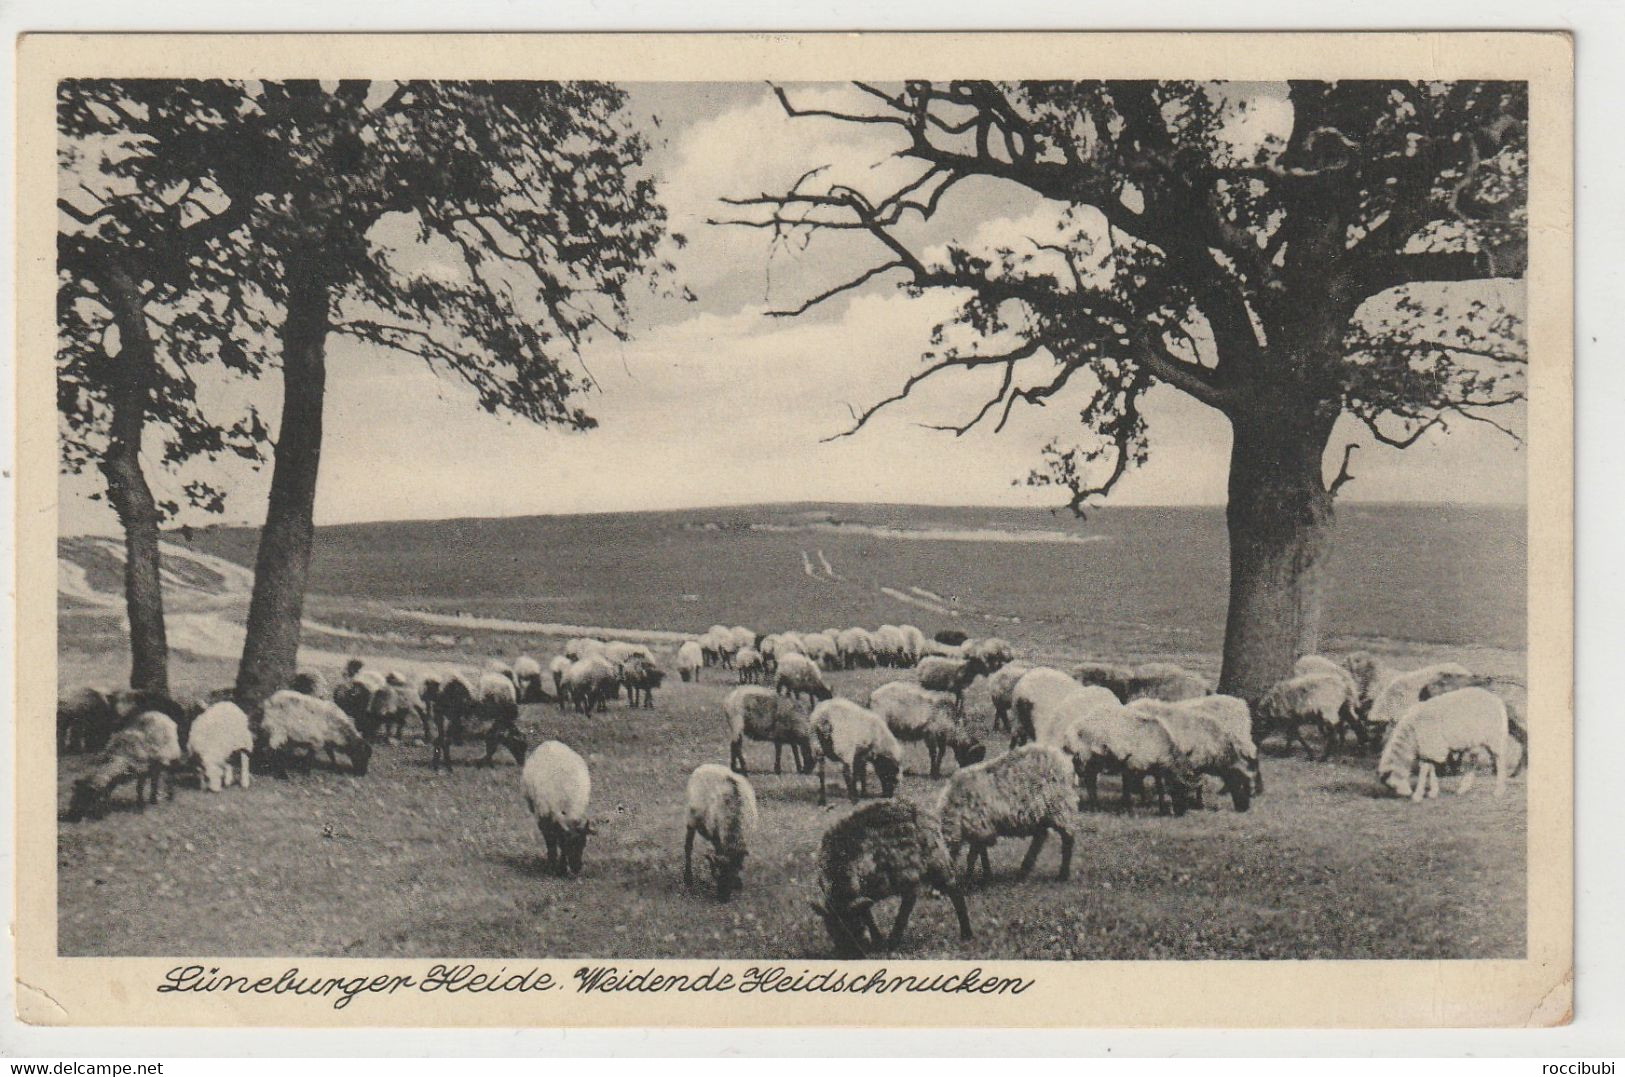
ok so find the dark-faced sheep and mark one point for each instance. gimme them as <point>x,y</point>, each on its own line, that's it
<point>760,714</point>
<point>1318,700</point>
<point>527,673</point>
<point>993,653</point>
<point>1038,699</point>
<point>1462,722</point>
<point>294,725</point>
<point>557,786</point>
<point>1208,746</point>
<point>883,850</point>
<point>1402,691</point>
<point>557,667</point>
<point>146,749</point>
<point>590,682</point>
<point>1001,687</point>
<point>916,714</point>
<point>391,708</point>
<point>722,810</point>
<point>640,677</point>
<point>951,675</point>
<point>1024,793</point>
<point>799,676</point>
<point>1165,681</point>
<point>1113,676</point>
<point>856,738</point>
<point>1511,694</point>
<point>311,682</point>
<point>1114,739</point>
<point>85,720</point>
<point>127,703</point>
<point>690,660</point>
<point>857,648</point>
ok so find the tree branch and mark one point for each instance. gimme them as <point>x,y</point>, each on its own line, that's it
<point>1344,475</point>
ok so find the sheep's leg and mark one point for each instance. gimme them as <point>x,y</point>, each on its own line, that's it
<point>169,783</point>
<point>900,925</point>
<point>736,756</point>
<point>970,863</point>
<point>852,780</point>
<point>1329,735</point>
<point>1500,772</point>
<point>960,911</point>
<point>1066,854</point>
<point>987,865</point>
<point>688,857</point>
<point>1091,780</point>
<point>822,798</point>
<point>778,757</point>
<point>1033,850</point>
<point>1422,777</point>
<point>242,770</point>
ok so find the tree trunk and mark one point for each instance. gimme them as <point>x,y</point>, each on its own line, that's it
<point>271,648</point>
<point>127,487</point>
<point>1280,520</point>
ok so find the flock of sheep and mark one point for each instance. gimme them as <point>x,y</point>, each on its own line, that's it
<point>1159,727</point>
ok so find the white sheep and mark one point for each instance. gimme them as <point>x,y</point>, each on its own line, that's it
<point>1209,745</point>
<point>590,682</point>
<point>145,749</point>
<point>1036,703</point>
<point>220,736</point>
<point>913,643</point>
<point>620,652</point>
<point>690,660</point>
<point>1001,686</point>
<point>857,738</point>
<point>1112,738</point>
<point>857,647</point>
<point>822,650</point>
<point>761,714</point>
<point>798,675</point>
<point>722,810</point>
<point>582,647</point>
<point>1369,675</point>
<point>1024,793</point>
<point>294,724</point>
<point>882,850</point>
<point>1466,720</point>
<point>640,677</point>
<point>1512,694</point>
<point>742,637</point>
<point>312,682</point>
<point>914,713</point>
<point>992,652</point>
<point>748,663</point>
<point>1318,699</point>
<point>1402,691</point>
<point>527,674</point>
<point>891,646</point>
<point>557,787</point>
<point>391,708</point>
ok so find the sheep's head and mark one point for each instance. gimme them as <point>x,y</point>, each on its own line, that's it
<point>353,666</point>
<point>821,691</point>
<point>89,801</point>
<point>886,770</point>
<point>1239,784</point>
<point>360,755</point>
<point>845,924</point>
<point>968,749</point>
<point>1398,780</point>
<point>572,844</point>
<point>726,869</point>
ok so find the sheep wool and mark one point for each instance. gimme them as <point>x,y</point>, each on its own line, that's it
<point>1466,720</point>
<point>761,714</point>
<point>690,660</point>
<point>1208,746</point>
<point>145,749</point>
<point>1110,675</point>
<point>913,713</point>
<point>1167,682</point>
<point>1401,692</point>
<point>798,675</point>
<point>291,722</point>
<point>855,737</point>
<point>557,788</point>
<point>220,734</point>
<point>1001,686</point>
<point>1026,792</point>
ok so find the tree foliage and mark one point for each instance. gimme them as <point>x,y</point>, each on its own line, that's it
<point>1300,271</point>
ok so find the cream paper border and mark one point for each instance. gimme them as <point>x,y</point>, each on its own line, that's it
<point>1536,991</point>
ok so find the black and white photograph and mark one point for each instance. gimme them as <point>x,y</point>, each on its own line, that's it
<point>790,520</point>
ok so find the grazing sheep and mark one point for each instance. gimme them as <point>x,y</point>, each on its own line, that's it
<point>589,682</point>
<point>822,650</point>
<point>913,714</point>
<point>129,703</point>
<point>1402,691</point>
<point>354,698</point>
<point>311,682</point>
<point>1037,702</point>
<point>527,673</point>
<point>1165,681</point>
<point>1516,729</point>
<point>557,787</point>
<point>856,647</point>
<point>1024,793</point>
<point>913,643</point>
<point>722,810</point>
<point>718,645</point>
<point>84,721</point>
<point>621,652</point>
<point>391,709</point>
<point>1209,746</point>
<point>146,749</point>
<point>1317,699</point>
<point>581,647</point>
<point>1369,675</point>
<point>1109,675</point>
<point>1002,687</point>
<point>748,663</point>
<point>459,708</point>
<point>1466,720</point>
<point>557,667</point>
<point>1112,738</point>
<point>761,714</point>
<point>798,675</point>
<point>993,653</point>
<point>641,677</point>
<point>292,723</point>
<point>857,738</point>
<point>789,643</point>
<point>951,675</point>
<point>219,736</point>
<point>891,646</point>
<point>882,850</point>
<point>690,660</point>
<point>742,637</point>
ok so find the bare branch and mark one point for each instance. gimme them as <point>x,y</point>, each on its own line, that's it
<point>855,282</point>
<point>1344,475</point>
<point>967,362</point>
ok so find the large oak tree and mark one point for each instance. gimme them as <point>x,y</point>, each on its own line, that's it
<point>1282,277</point>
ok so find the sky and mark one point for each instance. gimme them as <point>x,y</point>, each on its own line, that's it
<point>718,402</point>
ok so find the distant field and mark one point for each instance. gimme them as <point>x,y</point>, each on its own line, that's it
<point>403,862</point>
<point>1147,581</point>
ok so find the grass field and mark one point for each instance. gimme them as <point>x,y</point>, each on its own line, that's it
<point>405,862</point>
